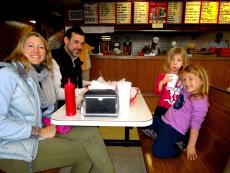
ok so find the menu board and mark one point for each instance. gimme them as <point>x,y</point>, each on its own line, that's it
<point>123,13</point>
<point>192,12</point>
<point>224,14</point>
<point>91,13</point>
<point>209,12</point>
<point>157,12</point>
<point>107,12</point>
<point>141,10</point>
<point>174,15</point>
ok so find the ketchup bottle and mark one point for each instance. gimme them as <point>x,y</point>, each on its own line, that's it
<point>70,102</point>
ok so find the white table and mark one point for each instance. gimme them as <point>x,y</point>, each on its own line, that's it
<point>139,116</point>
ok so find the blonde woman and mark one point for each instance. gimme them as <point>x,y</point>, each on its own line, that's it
<point>26,94</point>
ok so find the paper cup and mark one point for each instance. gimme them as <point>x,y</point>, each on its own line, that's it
<point>174,78</point>
<point>124,89</point>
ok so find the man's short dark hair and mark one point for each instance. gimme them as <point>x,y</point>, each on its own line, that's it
<point>75,30</point>
<point>219,35</point>
<point>58,28</point>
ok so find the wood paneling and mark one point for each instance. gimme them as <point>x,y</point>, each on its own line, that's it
<point>142,71</point>
<point>11,31</point>
<point>151,101</point>
<point>216,130</point>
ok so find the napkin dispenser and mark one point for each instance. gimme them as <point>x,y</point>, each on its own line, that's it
<point>100,102</point>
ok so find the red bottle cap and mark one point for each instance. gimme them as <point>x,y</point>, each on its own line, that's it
<point>69,85</point>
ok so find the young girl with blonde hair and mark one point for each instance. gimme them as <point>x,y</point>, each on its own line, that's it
<point>176,60</point>
<point>187,113</point>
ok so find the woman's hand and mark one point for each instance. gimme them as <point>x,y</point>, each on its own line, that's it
<point>48,132</point>
<point>191,153</point>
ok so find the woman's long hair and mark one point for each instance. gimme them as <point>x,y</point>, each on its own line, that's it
<point>18,54</point>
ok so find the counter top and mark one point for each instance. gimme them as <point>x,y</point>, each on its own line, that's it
<point>142,70</point>
<point>194,56</point>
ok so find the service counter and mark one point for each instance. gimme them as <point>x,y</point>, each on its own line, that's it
<point>142,70</point>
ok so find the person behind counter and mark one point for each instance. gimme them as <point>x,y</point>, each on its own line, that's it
<point>155,49</point>
<point>85,58</point>
<point>56,40</point>
<point>218,43</point>
<point>26,94</point>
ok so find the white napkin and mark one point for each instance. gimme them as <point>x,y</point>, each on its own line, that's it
<point>100,83</point>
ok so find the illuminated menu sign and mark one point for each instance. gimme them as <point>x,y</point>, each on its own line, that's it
<point>141,10</point>
<point>224,15</point>
<point>107,12</point>
<point>123,13</point>
<point>157,12</point>
<point>174,12</point>
<point>192,12</point>
<point>91,13</point>
<point>209,12</point>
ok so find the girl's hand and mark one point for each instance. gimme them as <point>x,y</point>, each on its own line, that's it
<point>165,79</point>
<point>191,153</point>
<point>48,132</point>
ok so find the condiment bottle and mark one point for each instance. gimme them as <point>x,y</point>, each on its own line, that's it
<point>70,99</point>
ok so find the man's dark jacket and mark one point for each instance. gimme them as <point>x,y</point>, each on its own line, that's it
<point>68,68</point>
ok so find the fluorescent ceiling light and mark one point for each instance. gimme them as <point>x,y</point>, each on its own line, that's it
<point>33,21</point>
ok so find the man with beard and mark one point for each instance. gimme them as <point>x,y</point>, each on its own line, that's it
<point>67,58</point>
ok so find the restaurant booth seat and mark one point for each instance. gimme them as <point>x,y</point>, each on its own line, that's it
<point>213,145</point>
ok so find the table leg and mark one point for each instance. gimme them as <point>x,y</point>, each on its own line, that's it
<point>125,142</point>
